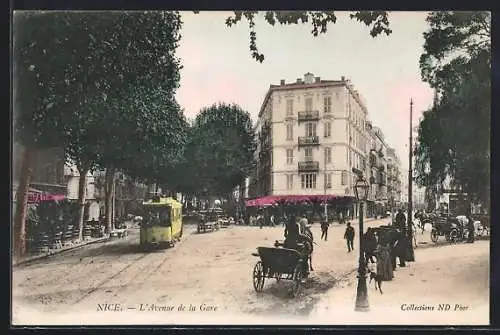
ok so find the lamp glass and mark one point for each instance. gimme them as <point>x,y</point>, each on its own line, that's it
<point>361,189</point>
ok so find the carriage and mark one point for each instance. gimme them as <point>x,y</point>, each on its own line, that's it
<point>450,228</point>
<point>209,221</point>
<point>280,263</point>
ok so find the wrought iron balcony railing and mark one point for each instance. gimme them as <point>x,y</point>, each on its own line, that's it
<point>308,116</point>
<point>308,140</point>
<point>308,166</point>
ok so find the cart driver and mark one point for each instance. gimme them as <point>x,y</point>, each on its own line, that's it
<point>293,237</point>
<point>293,234</point>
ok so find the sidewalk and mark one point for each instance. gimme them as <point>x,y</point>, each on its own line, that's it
<point>455,277</point>
<point>30,258</point>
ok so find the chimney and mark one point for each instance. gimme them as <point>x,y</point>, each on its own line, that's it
<point>299,81</point>
<point>342,78</point>
<point>308,78</point>
<point>282,82</point>
<point>318,79</point>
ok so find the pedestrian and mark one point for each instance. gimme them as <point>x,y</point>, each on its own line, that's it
<point>400,220</point>
<point>303,223</point>
<point>272,220</point>
<point>349,236</point>
<point>261,221</point>
<point>470,227</point>
<point>324,229</point>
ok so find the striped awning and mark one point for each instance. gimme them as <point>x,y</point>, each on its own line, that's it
<point>276,199</point>
<point>36,196</point>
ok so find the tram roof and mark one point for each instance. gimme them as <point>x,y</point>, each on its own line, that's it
<point>163,202</point>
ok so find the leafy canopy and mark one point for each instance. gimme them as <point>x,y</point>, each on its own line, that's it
<point>112,77</point>
<point>453,136</point>
<point>220,150</point>
<point>377,20</point>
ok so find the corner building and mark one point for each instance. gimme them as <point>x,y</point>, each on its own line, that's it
<point>312,133</point>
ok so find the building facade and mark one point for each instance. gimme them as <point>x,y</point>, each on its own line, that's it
<point>311,134</point>
<point>395,178</point>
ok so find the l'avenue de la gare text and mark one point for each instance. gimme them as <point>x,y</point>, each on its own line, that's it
<point>434,308</point>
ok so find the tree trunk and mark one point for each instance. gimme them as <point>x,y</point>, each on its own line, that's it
<point>81,200</point>
<point>22,203</point>
<point>113,202</point>
<point>109,196</point>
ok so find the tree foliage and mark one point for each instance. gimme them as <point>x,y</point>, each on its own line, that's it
<point>453,136</point>
<point>377,20</point>
<point>453,41</point>
<point>36,79</point>
<point>102,86</point>
<point>220,149</point>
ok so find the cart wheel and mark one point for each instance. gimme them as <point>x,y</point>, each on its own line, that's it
<point>258,277</point>
<point>453,236</point>
<point>297,280</point>
<point>434,236</point>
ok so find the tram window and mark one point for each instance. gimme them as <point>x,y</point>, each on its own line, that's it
<point>165,217</point>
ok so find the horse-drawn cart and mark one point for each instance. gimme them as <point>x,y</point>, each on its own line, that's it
<point>448,227</point>
<point>207,226</point>
<point>279,263</point>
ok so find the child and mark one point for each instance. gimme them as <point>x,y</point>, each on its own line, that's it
<point>349,236</point>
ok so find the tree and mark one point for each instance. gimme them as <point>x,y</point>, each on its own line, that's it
<point>453,139</point>
<point>377,20</point>
<point>453,41</point>
<point>221,148</point>
<point>95,67</point>
<point>39,84</point>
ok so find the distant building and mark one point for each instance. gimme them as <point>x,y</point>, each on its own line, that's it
<point>52,173</point>
<point>395,178</point>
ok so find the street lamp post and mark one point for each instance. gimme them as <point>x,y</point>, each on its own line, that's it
<point>361,192</point>
<point>325,204</point>
<point>410,255</point>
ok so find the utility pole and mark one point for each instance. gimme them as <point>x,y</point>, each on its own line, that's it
<point>324,191</point>
<point>410,254</point>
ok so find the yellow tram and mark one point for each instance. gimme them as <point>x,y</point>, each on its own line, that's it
<point>162,222</point>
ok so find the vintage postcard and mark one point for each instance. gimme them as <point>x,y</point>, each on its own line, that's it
<point>236,168</point>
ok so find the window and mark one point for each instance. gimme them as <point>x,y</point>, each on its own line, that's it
<point>328,180</point>
<point>309,104</point>
<point>289,107</point>
<point>289,131</point>
<point>309,154</point>
<point>327,105</point>
<point>289,181</point>
<point>344,178</point>
<point>328,129</point>
<point>289,156</point>
<point>310,129</point>
<point>328,155</point>
<point>308,180</point>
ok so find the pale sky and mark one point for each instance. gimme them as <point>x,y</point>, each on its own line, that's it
<point>218,65</point>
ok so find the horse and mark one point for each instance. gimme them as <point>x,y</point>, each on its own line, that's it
<point>369,245</point>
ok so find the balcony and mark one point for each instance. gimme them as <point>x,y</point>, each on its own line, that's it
<point>308,166</point>
<point>308,140</point>
<point>308,116</point>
